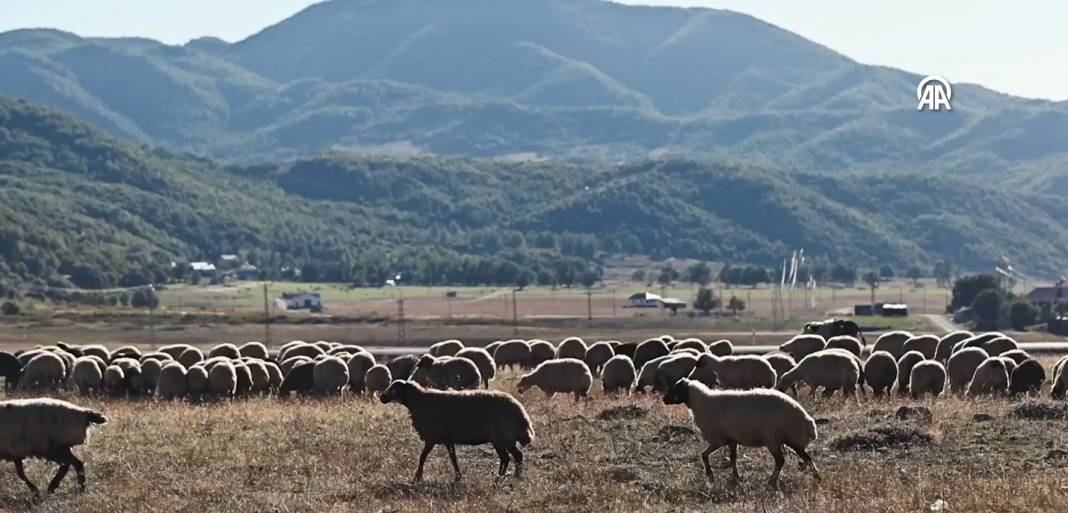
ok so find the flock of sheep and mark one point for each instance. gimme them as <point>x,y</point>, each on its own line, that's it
<point>735,399</point>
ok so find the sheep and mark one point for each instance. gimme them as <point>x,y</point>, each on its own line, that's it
<point>1027,378</point>
<point>904,370</point>
<point>737,372</point>
<point>990,378</point>
<point>563,375</point>
<point>446,372</point>
<point>540,351</point>
<point>945,345</point>
<point>274,375</point>
<point>829,369</point>
<point>161,357</point>
<point>1060,379</point>
<point>672,369</point>
<point>190,357</point>
<point>10,369</point>
<point>228,350</point>
<point>98,351</point>
<point>222,380</point>
<point>46,429</point>
<point>597,355</point>
<point>197,378</point>
<point>513,353</point>
<point>1017,355</point>
<point>571,347</point>
<point>627,349</point>
<point>292,362</point>
<point>299,379</point>
<point>780,362</point>
<point>309,350</point>
<point>464,418</point>
<point>803,345</point>
<point>926,345</point>
<point>126,352</point>
<point>847,343</point>
<point>492,347</point>
<point>892,342</point>
<point>692,343</point>
<point>150,370</point>
<point>648,350</point>
<point>377,379</point>
<point>173,349</point>
<point>446,348</point>
<point>752,418</point>
<point>1010,364</point>
<point>173,382</point>
<point>244,379</point>
<point>261,378</point>
<point>43,369</point>
<point>253,350</point>
<point>402,366</point>
<point>330,374</point>
<point>927,377</point>
<point>86,376</point>
<point>357,367</point>
<point>880,372</point>
<point>962,365</point>
<point>999,345</point>
<point>721,348</point>
<point>647,374</point>
<point>977,340</point>
<point>482,359</point>
<point>618,374</point>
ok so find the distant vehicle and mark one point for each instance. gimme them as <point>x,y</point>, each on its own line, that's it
<point>303,301</point>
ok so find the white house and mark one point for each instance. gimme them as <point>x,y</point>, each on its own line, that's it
<point>643,300</point>
<point>303,301</point>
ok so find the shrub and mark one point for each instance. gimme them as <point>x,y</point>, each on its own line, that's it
<point>10,308</point>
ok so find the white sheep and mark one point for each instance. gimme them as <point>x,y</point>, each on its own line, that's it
<point>190,357</point>
<point>673,368</point>
<point>738,372</point>
<point>86,376</point>
<point>721,348</point>
<point>222,379</point>
<point>1060,379</point>
<point>564,376</point>
<point>928,377</point>
<point>197,380</point>
<point>647,373</point>
<point>597,355</point>
<point>846,342</point>
<point>46,429</point>
<point>752,418</point>
<point>618,374</point>
<point>880,372</point>
<point>253,350</point>
<point>173,382</point>
<point>990,378</point>
<point>904,370</point>
<point>945,345</point>
<point>801,346</point>
<point>482,359</point>
<point>832,369</point>
<point>115,380</point>
<point>377,379</point>
<point>513,353</point>
<point>572,347</point>
<point>330,374</point>
<point>446,348</point>
<point>927,345</point>
<point>358,365</point>
<point>446,372</point>
<point>892,342</point>
<point>44,369</point>
<point>962,365</point>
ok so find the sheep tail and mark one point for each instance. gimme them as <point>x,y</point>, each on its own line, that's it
<point>95,417</point>
<point>526,437</point>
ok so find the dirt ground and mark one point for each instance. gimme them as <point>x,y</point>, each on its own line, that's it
<point>605,455</point>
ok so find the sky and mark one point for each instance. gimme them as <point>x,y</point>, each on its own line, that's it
<point>1018,47</point>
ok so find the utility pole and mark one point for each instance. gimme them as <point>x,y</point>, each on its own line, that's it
<point>448,300</point>
<point>589,305</point>
<point>515,316</point>
<point>266,318</point>
<point>152,313</point>
<point>400,321</point>
<point>613,303</point>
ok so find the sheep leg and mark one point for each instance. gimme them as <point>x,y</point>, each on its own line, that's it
<point>502,453</point>
<point>427,447</point>
<point>517,455</point>
<point>452,457</point>
<point>734,463</point>
<point>21,472</point>
<point>806,461</point>
<point>704,459</point>
<point>780,460</point>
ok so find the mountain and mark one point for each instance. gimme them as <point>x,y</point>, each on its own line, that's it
<point>582,80</point>
<point>80,208</point>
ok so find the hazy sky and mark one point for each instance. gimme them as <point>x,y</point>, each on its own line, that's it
<point>1019,47</point>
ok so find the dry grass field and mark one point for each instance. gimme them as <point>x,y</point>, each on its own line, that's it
<point>606,455</point>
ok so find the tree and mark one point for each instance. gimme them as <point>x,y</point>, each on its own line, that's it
<point>9,308</point>
<point>872,280</point>
<point>753,276</point>
<point>309,272</point>
<point>589,277</point>
<point>638,275</point>
<point>886,272</point>
<point>699,273</point>
<point>1022,315</point>
<point>967,288</point>
<point>844,274</point>
<point>987,308</point>
<point>144,298</point>
<point>943,273</point>
<point>706,302</point>
<point>735,304</point>
<point>195,277</point>
<point>914,273</point>
<point>667,275</point>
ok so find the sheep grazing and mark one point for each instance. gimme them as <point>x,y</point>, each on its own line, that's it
<point>492,347</point>
<point>446,348</point>
<point>377,379</point>
<point>358,364</point>
<point>173,349</point>
<point>597,355</point>
<point>648,350</point>
<point>721,348</point>
<point>86,376</point>
<point>904,370</point>
<point>1027,378</point>
<point>627,349</point>
<point>330,374</point>
<point>892,342</point>
<point>692,343</point>
<point>198,385</point>
<point>253,350</point>
<point>10,369</point>
<point>571,347</point>
<point>300,379</point>
<point>927,377</point>
<point>190,357</point>
<point>115,380</point>
<point>227,350</point>
<point>1016,355</point>
<point>781,362</point>
<point>831,370</point>
<point>401,367</point>
<point>564,376</point>
<point>465,418</point>
<point>1060,379</point>
<point>737,372</point>
<point>482,359</point>
<point>173,382</point>
<point>847,343</point>
<point>618,374</point>
<point>672,369</point>
<point>540,351</point>
<point>999,345</point>
<point>46,429</point>
<point>803,345</point>
<point>945,345</point>
<point>43,370</point>
<point>927,345</point>
<point>962,366</point>
<point>513,353</point>
<point>647,373</point>
<point>977,340</point>
<point>222,380</point>
<point>752,418</point>
<point>990,378</point>
<point>446,372</point>
<point>880,372</point>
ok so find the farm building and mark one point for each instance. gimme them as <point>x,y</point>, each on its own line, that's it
<point>228,261</point>
<point>1047,296</point>
<point>247,272</point>
<point>882,309</point>
<point>303,301</point>
<point>643,300</point>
